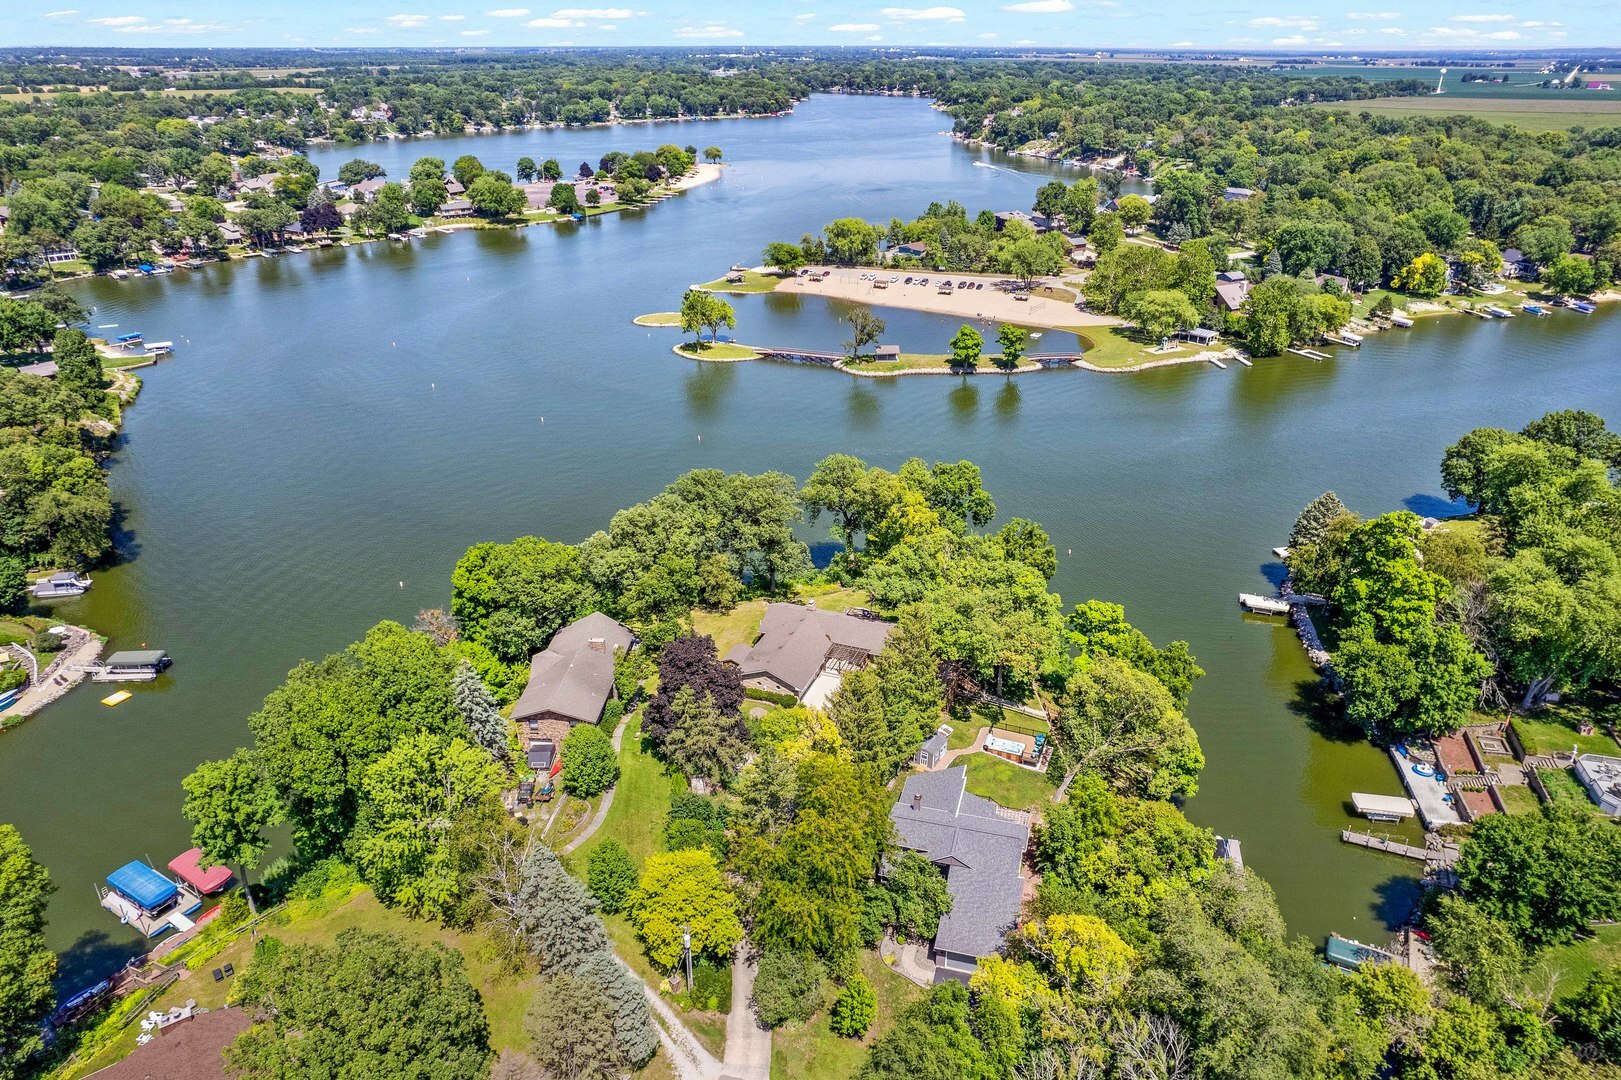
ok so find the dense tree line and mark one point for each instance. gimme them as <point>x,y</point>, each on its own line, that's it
<point>1505,607</point>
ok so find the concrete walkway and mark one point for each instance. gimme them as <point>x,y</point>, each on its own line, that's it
<point>748,1045</point>
<point>607,799</point>
<point>911,960</point>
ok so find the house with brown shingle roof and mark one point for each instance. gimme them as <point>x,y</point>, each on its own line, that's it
<point>572,678</point>
<point>800,647</point>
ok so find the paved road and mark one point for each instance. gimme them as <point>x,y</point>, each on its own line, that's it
<point>748,1045</point>
<point>607,799</point>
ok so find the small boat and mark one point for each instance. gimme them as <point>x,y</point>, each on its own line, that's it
<point>1400,320</point>
<point>127,341</point>
<point>60,584</point>
<point>1381,807</point>
<point>1534,309</point>
<point>1351,954</point>
<point>135,665</point>
<point>1583,306</point>
<point>1498,312</point>
<point>149,901</point>
<point>120,274</point>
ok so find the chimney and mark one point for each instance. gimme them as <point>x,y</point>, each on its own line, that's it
<point>599,644</point>
<point>917,802</point>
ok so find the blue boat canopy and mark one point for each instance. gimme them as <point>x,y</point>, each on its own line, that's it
<point>140,884</point>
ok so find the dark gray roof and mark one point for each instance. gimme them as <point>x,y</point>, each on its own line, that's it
<point>935,744</point>
<point>978,844</point>
<point>136,658</point>
<point>794,642</point>
<point>575,674</point>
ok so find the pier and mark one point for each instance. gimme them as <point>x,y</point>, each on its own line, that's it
<point>1439,857</point>
<point>1311,354</point>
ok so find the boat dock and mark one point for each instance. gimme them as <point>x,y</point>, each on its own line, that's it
<point>1311,354</point>
<point>1263,605</point>
<point>1440,857</point>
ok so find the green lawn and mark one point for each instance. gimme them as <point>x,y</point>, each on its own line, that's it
<point>719,350</point>
<point>739,626</point>
<point>923,362</point>
<point>1006,783</point>
<point>1554,730</point>
<point>641,800</point>
<point>752,283</point>
<point>1108,347</point>
<point>832,597</point>
<point>1565,788</point>
<point>659,318</point>
<point>812,1051</point>
<point>1519,799</point>
<point>1556,112</point>
<point>1570,965</point>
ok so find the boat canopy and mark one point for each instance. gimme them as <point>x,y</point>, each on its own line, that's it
<point>142,885</point>
<point>189,867</point>
<point>137,658</point>
<point>1384,805</point>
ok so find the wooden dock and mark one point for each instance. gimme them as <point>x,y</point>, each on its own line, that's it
<point>1385,844</point>
<point>1310,354</point>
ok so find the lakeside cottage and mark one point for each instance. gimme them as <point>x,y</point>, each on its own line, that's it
<point>572,678</point>
<point>804,652</point>
<point>979,847</point>
<point>1231,289</point>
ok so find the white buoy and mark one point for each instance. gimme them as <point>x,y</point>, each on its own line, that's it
<point>402,584</point>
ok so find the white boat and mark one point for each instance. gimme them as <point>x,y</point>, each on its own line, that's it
<point>61,584</point>
<point>1498,312</point>
<point>159,348</point>
<point>1400,320</point>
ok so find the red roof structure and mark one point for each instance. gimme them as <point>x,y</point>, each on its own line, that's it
<point>190,869</point>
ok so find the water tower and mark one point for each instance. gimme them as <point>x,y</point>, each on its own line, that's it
<point>1441,80</point>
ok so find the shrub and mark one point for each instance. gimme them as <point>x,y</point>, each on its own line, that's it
<point>610,875</point>
<point>788,987</point>
<point>855,1008</point>
<point>47,642</point>
<point>11,678</point>
<point>233,910</point>
<point>787,701</point>
<point>589,764</point>
<point>612,713</point>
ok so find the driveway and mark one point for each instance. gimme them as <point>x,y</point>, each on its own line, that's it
<point>748,1045</point>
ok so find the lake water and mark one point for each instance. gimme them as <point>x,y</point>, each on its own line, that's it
<point>336,428</point>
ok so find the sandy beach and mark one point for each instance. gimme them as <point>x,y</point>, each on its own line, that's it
<point>702,173</point>
<point>987,304</point>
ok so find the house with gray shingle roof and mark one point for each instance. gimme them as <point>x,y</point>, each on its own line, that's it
<point>801,646</point>
<point>979,847</point>
<point>572,679</point>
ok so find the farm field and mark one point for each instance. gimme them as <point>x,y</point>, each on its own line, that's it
<point>1549,111</point>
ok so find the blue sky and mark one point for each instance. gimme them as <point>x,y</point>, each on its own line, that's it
<point>1283,24</point>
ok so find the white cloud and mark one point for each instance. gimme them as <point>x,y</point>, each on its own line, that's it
<point>453,18</point>
<point>1539,23</point>
<point>1394,31</point>
<point>550,23</point>
<point>1181,45</point>
<point>596,13</point>
<point>361,30</point>
<point>711,31</point>
<point>930,14</point>
<point>1482,18</point>
<point>1466,34</point>
<point>118,20</point>
<point>805,18</point>
<point>1380,15</point>
<point>508,13</point>
<point>1291,22</point>
<point>1294,39</point>
<point>1040,7</point>
<point>989,37</point>
<point>60,14</point>
<point>407,22</point>
<point>474,33</point>
<point>853,28</point>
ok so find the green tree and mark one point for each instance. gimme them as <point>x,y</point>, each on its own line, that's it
<point>355,170</point>
<point>682,891</point>
<point>1593,1013</point>
<point>855,494</point>
<point>966,346</point>
<point>932,1039</point>
<point>911,899</point>
<point>705,311</point>
<point>1581,432</point>
<point>1480,955</point>
<point>466,169</point>
<point>865,328</point>
<point>704,741</point>
<point>1465,465</point>
<point>857,710</point>
<point>1546,876</point>
<point>526,170</point>
<point>851,241</point>
<point>1160,312</point>
<point>564,199</point>
<point>230,804</point>
<point>787,258</point>
<point>13,583</point>
<point>611,875</point>
<point>589,764</point>
<point>493,195</point>
<point>537,585</point>
<point>389,212</point>
<point>1125,724</point>
<point>1106,233</point>
<point>1425,276</point>
<point>1134,211</point>
<point>427,195</point>
<point>1013,340</point>
<point>27,965</point>
<point>1569,275</point>
<point>427,168</point>
<point>486,727</point>
<point>713,154</point>
<point>570,1026</point>
<point>551,170</point>
<point>416,799</point>
<point>78,365</point>
<point>855,1008</point>
<point>419,1015</point>
<point>787,987</point>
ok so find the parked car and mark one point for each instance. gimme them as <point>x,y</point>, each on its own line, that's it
<point>908,279</point>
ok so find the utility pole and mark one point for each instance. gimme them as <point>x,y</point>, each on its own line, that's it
<point>686,950</point>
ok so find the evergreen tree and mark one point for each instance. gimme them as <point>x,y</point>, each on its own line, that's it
<point>479,711</point>
<point>704,741</point>
<point>857,709</point>
<point>26,965</point>
<point>571,1031</point>
<point>908,674</point>
<point>1314,520</point>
